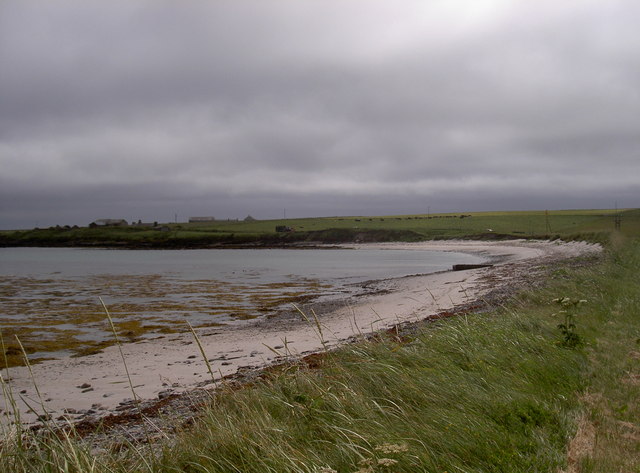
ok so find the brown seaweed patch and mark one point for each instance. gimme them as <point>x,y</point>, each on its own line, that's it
<point>62,341</point>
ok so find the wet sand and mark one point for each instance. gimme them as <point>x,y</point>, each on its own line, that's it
<point>96,385</point>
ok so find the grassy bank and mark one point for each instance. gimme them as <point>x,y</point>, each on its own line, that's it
<point>492,392</point>
<point>568,224</point>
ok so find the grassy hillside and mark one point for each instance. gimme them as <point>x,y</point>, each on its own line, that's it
<point>591,224</point>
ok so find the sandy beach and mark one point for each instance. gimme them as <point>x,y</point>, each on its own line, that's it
<point>97,385</point>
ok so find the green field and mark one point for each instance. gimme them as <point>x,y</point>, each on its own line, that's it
<point>567,224</point>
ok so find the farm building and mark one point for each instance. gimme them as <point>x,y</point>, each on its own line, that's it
<point>201,219</point>
<point>110,222</point>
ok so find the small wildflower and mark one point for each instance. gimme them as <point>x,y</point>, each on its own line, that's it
<point>569,313</point>
<point>391,448</point>
<point>387,462</point>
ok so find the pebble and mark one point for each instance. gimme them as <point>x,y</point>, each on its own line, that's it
<point>84,386</point>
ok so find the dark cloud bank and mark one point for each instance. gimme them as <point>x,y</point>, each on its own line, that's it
<point>145,109</point>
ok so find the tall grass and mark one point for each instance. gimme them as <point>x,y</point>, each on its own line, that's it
<point>491,394</point>
<point>495,392</point>
<point>611,425</point>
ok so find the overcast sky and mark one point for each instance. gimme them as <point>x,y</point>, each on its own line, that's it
<point>147,109</point>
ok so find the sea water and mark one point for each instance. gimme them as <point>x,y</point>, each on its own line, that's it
<point>50,297</point>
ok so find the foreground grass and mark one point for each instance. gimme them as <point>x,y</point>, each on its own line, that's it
<point>493,392</point>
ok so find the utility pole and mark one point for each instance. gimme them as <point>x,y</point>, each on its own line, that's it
<point>546,216</point>
<point>617,219</point>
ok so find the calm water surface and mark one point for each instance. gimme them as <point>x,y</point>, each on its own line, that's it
<point>49,296</point>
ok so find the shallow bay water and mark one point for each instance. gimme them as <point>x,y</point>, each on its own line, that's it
<point>49,297</point>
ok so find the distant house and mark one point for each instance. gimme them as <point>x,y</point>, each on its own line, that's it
<point>201,219</point>
<point>140,223</point>
<point>110,222</point>
<point>249,218</point>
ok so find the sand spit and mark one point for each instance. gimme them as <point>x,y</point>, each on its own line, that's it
<point>96,386</point>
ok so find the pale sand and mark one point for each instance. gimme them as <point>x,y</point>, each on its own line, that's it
<point>174,362</point>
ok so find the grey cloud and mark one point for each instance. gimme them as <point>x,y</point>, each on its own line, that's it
<point>324,103</point>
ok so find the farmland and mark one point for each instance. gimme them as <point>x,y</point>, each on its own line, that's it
<point>566,224</point>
